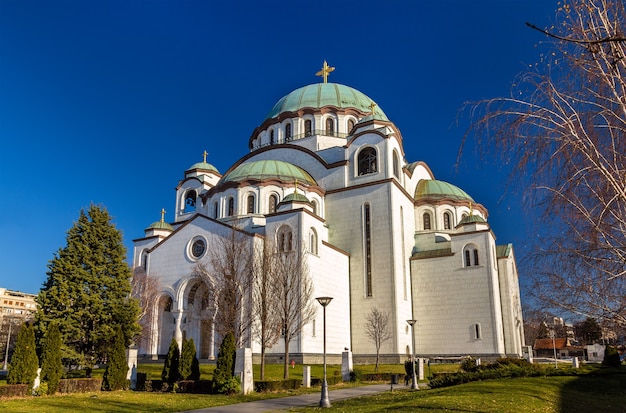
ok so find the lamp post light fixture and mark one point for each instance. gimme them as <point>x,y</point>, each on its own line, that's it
<point>324,401</point>
<point>414,378</point>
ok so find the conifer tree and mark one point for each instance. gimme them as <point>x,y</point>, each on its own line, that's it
<point>187,360</point>
<point>172,364</point>
<point>24,363</point>
<point>51,363</point>
<point>88,290</point>
<point>225,365</point>
<point>115,374</point>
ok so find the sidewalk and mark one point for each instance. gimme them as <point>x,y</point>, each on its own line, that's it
<point>285,403</point>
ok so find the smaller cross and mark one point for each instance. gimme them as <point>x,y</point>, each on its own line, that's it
<point>205,153</point>
<point>162,214</point>
<point>372,108</point>
<point>325,71</point>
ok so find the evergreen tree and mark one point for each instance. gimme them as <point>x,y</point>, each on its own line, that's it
<point>187,360</point>
<point>195,367</point>
<point>88,290</point>
<point>24,363</point>
<point>225,365</point>
<point>51,363</point>
<point>172,364</point>
<point>115,374</point>
<point>611,357</point>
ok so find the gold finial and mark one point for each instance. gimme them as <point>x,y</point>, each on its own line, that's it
<point>471,209</point>
<point>205,153</point>
<point>162,214</point>
<point>372,107</point>
<point>325,71</point>
<point>296,190</point>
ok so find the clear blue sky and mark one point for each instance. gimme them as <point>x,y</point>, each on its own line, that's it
<point>110,101</point>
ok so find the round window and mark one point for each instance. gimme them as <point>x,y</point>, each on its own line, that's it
<point>197,248</point>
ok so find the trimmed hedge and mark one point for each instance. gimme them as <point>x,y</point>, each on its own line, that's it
<point>277,385</point>
<point>15,390</point>
<point>500,369</point>
<point>79,385</point>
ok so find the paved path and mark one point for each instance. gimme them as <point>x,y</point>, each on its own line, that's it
<point>285,403</point>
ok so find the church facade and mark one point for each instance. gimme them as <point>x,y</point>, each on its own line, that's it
<point>327,167</point>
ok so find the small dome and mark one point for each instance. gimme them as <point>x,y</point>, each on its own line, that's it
<point>269,169</point>
<point>470,219</point>
<point>202,165</point>
<point>160,225</point>
<point>296,197</point>
<point>319,95</point>
<point>434,189</point>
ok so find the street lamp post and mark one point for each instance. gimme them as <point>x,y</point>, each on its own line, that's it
<point>414,385</point>
<point>6,354</point>
<point>324,401</point>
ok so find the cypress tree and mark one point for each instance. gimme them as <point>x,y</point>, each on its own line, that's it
<point>189,366</point>
<point>115,374</point>
<point>51,363</point>
<point>172,364</point>
<point>225,365</point>
<point>24,363</point>
<point>87,290</point>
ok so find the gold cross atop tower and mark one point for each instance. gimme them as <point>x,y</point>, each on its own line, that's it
<point>205,153</point>
<point>325,71</point>
<point>162,214</point>
<point>372,108</point>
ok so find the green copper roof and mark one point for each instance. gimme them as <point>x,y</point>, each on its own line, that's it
<point>161,225</point>
<point>471,219</point>
<point>319,95</point>
<point>431,188</point>
<point>296,197</point>
<point>267,170</point>
<point>203,165</point>
<point>503,250</point>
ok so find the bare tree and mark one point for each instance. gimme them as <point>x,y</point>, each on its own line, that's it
<point>146,289</point>
<point>378,330</point>
<point>227,273</point>
<point>266,327</point>
<point>294,297</point>
<point>563,129</point>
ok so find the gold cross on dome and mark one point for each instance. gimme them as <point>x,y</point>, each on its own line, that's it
<point>325,71</point>
<point>372,108</point>
<point>205,153</point>
<point>162,214</point>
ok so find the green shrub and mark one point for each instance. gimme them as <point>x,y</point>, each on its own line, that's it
<point>276,385</point>
<point>117,368</point>
<point>189,365</point>
<point>469,364</point>
<point>24,362</point>
<point>80,385</point>
<point>500,369</point>
<point>15,390</point>
<point>51,363</point>
<point>172,364</point>
<point>225,366</point>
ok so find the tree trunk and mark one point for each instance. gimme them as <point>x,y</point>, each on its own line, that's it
<point>262,362</point>
<point>286,369</point>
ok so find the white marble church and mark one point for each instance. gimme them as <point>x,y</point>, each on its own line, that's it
<point>328,167</point>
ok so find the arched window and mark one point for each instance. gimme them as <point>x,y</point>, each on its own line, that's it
<point>250,204</point>
<point>285,243</point>
<point>426,219</point>
<point>350,125</point>
<point>367,230</point>
<point>367,161</point>
<point>273,203</point>
<point>231,207</point>
<point>330,126</point>
<point>190,201</point>
<point>272,137</point>
<point>307,128</point>
<point>216,209</point>
<point>396,165</point>
<point>470,253</point>
<point>447,220</point>
<point>144,261</point>
<point>313,242</point>
<point>288,132</point>
<point>315,207</point>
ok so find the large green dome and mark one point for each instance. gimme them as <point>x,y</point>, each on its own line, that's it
<point>434,189</point>
<point>319,95</point>
<point>269,169</point>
